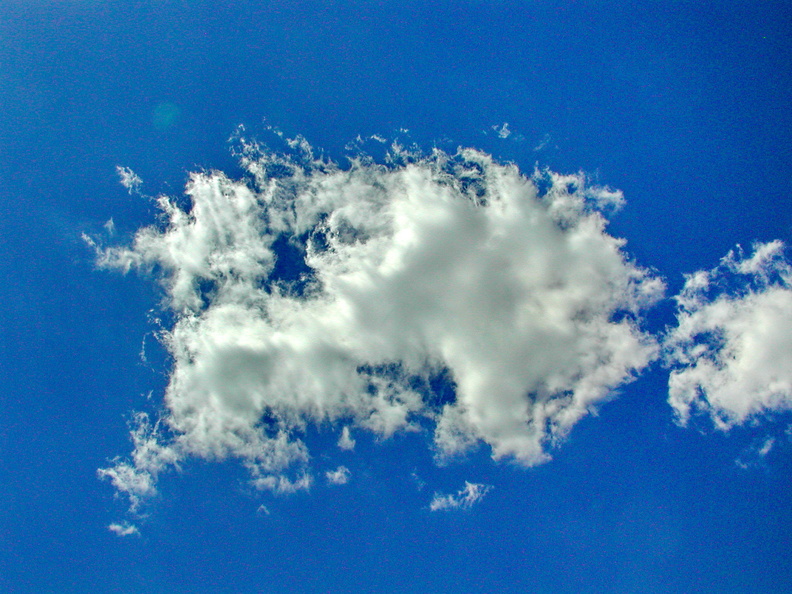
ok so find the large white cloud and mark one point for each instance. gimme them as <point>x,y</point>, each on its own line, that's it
<point>732,349</point>
<point>443,264</point>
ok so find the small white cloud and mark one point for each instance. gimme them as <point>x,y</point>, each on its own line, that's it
<point>124,529</point>
<point>110,227</point>
<point>465,498</point>
<point>346,442</point>
<point>766,447</point>
<point>503,130</point>
<point>731,352</point>
<point>282,484</point>
<point>129,179</point>
<point>263,510</point>
<point>339,476</point>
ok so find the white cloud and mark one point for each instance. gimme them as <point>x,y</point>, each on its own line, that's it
<point>732,349</point>
<point>441,264</point>
<point>465,498</point>
<point>503,130</point>
<point>109,227</point>
<point>129,179</point>
<point>339,476</point>
<point>346,442</point>
<point>137,478</point>
<point>281,484</point>
<point>123,529</point>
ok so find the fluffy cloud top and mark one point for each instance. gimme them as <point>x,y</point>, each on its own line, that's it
<point>465,498</point>
<point>733,344</point>
<point>311,293</point>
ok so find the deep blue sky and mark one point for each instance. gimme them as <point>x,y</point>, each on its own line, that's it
<point>684,106</point>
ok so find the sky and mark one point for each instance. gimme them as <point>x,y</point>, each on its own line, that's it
<point>470,296</point>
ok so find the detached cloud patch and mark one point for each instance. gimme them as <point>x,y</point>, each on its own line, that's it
<point>129,179</point>
<point>123,529</point>
<point>346,442</point>
<point>339,476</point>
<point>465,498</point>
<point>733,344</point>
<point>308,293</point>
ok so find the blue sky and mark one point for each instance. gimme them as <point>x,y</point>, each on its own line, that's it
<point>473,387</point>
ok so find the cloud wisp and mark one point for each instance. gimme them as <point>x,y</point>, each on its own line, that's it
<point>754,455</point>
<point>310,293</point>
<point>465,498</point>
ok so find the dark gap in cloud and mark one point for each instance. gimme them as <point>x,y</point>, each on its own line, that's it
<point>317,239</point>
<point>442,387</point>
<point>437,387</point>
<point>543,182</point>
<point>269,422</point>
<point>206,289</point>
<point>393,370</point>
<point>290,266</point>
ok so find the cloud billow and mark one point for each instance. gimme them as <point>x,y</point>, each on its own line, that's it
<point>422,266</point>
